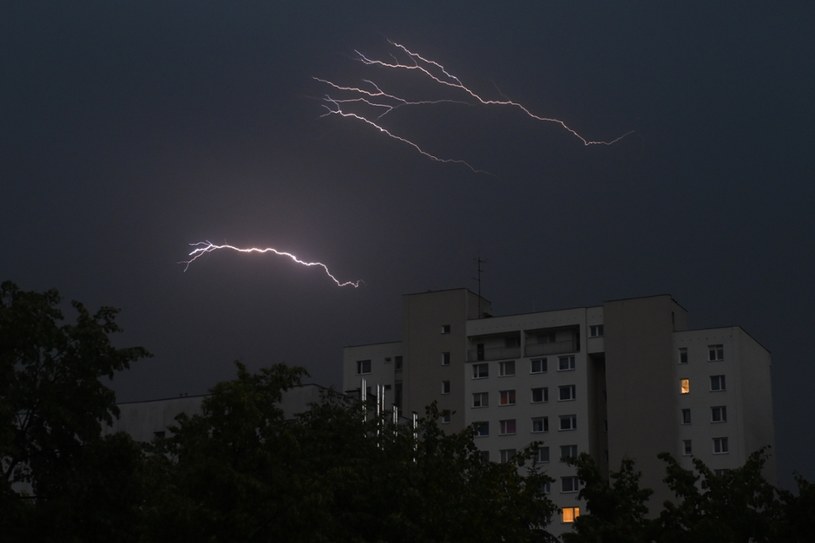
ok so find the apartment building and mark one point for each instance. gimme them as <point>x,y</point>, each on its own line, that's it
<point>624,379</point>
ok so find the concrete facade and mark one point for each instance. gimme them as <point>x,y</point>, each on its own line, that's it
<point>640,385</point>
<point>730,391</point>
<point>434,338</point>
<point>379,364</point>
<point>606,379</point>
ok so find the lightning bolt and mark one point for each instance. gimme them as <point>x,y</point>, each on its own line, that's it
<point>369,97</point>
<point>374,97</point>
<point>337,110</point>
<point>203,247</point>
<point>443,77</point>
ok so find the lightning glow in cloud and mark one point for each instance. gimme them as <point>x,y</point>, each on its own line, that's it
<point>203,247</point>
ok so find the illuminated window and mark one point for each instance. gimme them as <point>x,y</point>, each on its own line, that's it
<point>717,383</point>
<point>566,392</point>
<point>540,424</point>
<point>568,514</point>
<point>683,355</point>
<point>481,371</point>
<point>715,352</point>
<point>686,416</point>
<point>684,386</point>
<point>569,484</point>
<point>596,330</point>
<point>565,363</point>
<point>506,397</point>
<point>568,422</point>
<point>445,358</point>
<point>445,387</point>
<point>542,455</point>
<point>720,445</point>
<point>506,455</point>
<point>538,365</point>
<point>540,395</point>
<point>568,452</point>
<point>507,368</point>
<point>687,447</point>
<point>481,399</point>
<point>481,429</point>
<point>506,427</point>
<point>363,366</point>
<point>718,413</point>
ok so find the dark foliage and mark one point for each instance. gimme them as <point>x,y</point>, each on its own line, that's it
<point>241,472</point>
<point>617,507</point>
<point>61,479</point>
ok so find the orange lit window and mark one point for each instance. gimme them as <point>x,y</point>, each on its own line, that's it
<point>568,514</point>
<point>684,386</point>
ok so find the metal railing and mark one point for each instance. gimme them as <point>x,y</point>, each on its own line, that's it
<point>493,353</point>
<point>554,347</point>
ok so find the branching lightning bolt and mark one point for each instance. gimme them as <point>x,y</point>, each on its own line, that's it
<point>447,79</point>
<point>337,110</point>
<point>368,97</point>
<point>374,97</point>
<point>203,247</point>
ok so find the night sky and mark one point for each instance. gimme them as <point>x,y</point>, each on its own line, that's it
<point>130,129</point>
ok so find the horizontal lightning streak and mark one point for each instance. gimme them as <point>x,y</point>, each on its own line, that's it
<point>203,247</point>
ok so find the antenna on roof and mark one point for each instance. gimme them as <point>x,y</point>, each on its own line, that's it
<point>479,270</point>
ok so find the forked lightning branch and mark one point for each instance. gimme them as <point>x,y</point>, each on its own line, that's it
<point>341,99</point>
<point>204,247</point>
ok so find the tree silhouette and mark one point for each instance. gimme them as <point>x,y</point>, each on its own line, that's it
<point>53,404</point>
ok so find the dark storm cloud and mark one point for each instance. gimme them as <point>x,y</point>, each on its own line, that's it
<point>130,129</point>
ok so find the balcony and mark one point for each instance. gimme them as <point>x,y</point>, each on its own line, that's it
<point>493,353</point>
<point>553,347</point>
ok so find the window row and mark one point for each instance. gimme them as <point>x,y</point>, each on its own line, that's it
<point>565,393</point>
<point>507,368</point>
<point>568,484</point>
<point>718,413</point>
<point>720,446</point>
<point>715,353</point>
<point>364,366</point>
<point>508,427</point>
<point>541,456</point>
<point>717,383</point>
